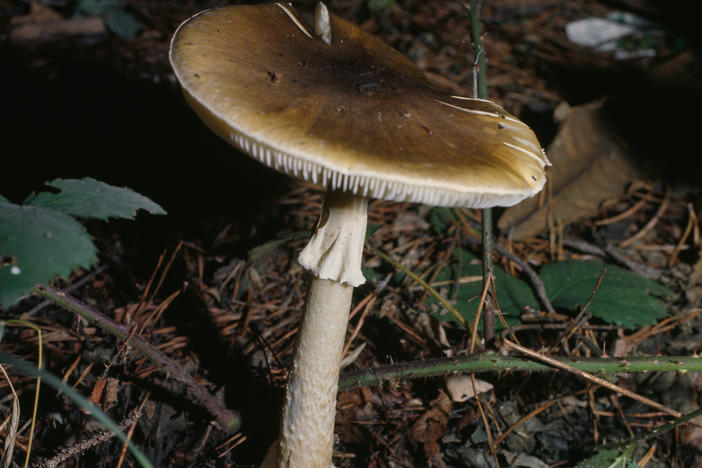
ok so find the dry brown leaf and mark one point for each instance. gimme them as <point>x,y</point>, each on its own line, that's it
<point>98,390</point>
<point>460,387</point>
<point>589,167</point>
<point>431,426</point>
<point>104,392</point>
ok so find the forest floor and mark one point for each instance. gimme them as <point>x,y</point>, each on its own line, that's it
<point>215,286</point>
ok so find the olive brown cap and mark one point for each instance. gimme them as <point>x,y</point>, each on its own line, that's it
<point>354,115</point>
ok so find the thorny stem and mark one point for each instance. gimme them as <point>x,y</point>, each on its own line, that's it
<point>491,362</point>
<point>480,86</point>
<point>227,419</point>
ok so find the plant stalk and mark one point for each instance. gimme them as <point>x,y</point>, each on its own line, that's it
<point>480,91</point>
<point>491,362</point>
<point>227,419</point>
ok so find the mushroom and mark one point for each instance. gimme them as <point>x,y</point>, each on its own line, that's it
<point>333,105</point>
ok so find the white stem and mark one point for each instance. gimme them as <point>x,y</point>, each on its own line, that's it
<point>307,428</point>
<point>306,437</point>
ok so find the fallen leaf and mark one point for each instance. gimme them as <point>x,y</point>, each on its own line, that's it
<point>431,426</point>
<point>98,390</point>
<point>589,167</point>
<point>460,387</point>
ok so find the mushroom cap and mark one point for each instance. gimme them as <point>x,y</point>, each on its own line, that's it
<point>354,115</point>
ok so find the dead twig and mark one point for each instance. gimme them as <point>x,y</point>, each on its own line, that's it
<point>536,283</point>
<point>86,444</point>
<point>650,224</point>
<point>615,388</point>
<point>229,420</point>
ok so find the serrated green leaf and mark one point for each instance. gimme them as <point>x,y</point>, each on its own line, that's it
<point>41,244</point>
<point>609,459</point>
<point>623,298</point>
<point>513,294</point>
<point>90,198</point>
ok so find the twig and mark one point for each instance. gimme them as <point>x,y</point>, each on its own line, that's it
<point>480,91</point>
<point>422,283</point>
<point>228,420</point>
<point>86,444</point>
<point>650,224</point>
<point>33,311</point>
<point>692,221</point>
<point>587,376</point>
<point>130,432</point>
<point>536,283</point>
<point>623,215</point>
<point>522,420</point>
<point>656,431</point>
<point>575,323</point>
<point>611,252</point>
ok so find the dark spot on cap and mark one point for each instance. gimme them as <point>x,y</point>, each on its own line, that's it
<point>196,75</point>
<point>500,126</point>
<point>364,87</point>
<point>274,76</point>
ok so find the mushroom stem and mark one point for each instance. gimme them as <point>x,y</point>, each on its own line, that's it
<point>306,438</point>
<point>307,426</point>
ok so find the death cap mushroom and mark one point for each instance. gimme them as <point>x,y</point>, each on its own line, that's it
<point>354,115</point>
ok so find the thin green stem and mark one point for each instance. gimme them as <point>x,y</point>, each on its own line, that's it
<point>491,362</point>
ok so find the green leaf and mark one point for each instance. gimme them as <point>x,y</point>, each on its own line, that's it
<point>122,23</point>
<point>513,294</point>
<point>623,298</point>
<point>38,244</point>
<point>97,7</point>
<point>90,198</point>
<point>609,459</point>
<point>440,217</point>
<point>380,5</point>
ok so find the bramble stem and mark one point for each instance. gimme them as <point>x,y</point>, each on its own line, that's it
<point>227,419</point>
<point>491,362</point>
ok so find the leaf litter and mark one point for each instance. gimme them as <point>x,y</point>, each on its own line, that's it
<point>242,311</point>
